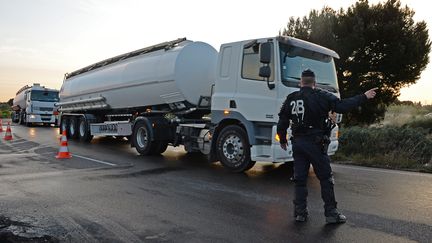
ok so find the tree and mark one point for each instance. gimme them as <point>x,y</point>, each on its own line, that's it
<point>10,102</point>
<point>380,46</point>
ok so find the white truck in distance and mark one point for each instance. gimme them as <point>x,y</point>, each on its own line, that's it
<point>181,92</point>
<point>35,104</point>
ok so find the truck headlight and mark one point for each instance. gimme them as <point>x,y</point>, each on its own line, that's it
<point>32,117</point>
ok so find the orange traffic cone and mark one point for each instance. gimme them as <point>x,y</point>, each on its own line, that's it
<point>1,125</point>
<point>63,151</point>
<point>8,134</point>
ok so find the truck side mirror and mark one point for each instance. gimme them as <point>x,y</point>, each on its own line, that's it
<point>265,52</point>
<point>265,71</point>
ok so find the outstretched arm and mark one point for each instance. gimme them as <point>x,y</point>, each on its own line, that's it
<point>345,105</point>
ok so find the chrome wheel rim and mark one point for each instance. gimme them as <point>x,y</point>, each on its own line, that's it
<point>142,139</point>
<point>72,128</point>
<point>233,148</point>
<point>82,128</point>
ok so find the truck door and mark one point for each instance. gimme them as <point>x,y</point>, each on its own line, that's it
<point>253,98</point>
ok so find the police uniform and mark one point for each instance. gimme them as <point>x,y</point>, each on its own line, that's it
<point>308,110</point>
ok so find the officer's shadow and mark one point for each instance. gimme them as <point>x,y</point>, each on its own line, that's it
<point>328,230</point>
<point>272,172</point>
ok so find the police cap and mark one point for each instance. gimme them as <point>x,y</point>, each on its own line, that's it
<point>308,73</point>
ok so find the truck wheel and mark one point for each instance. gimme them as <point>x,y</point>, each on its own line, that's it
<point>84,130</point>
<point>64,126</point>
<point>21,118</point>
<point>142,140</point>
<point>28,124</point>
<point>73,128</point>
<point>233,149</point>
<point>14,117</point>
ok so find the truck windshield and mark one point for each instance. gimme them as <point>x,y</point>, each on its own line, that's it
<point>295,59</point>
<point>41,95</point>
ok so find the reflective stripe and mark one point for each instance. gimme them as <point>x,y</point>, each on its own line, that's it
<point>63,149</point>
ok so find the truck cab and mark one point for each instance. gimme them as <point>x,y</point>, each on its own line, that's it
<point>249,93</point>
<point>35,104</point>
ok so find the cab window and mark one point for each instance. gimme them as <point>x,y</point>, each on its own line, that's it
<point>251,63</point>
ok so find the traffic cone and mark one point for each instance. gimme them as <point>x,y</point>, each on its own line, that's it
<point>63,151</point>
<point>1,125</point>
<point>8,134</point>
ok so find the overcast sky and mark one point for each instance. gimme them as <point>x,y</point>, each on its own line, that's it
<point>41,40</point>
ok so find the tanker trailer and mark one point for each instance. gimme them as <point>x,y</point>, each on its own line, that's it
<point>182,92</point>
<point>35,104</point>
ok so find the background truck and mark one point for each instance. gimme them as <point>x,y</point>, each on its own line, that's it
<point>181,92</point>
<point>35,104</point>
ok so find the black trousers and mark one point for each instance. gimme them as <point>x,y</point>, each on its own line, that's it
<point>308,150</point>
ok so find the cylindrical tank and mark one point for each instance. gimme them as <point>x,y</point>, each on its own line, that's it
<point>184,72</point>
<point>19,101</point>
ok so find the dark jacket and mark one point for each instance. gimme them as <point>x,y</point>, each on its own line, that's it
<point>309,108</point>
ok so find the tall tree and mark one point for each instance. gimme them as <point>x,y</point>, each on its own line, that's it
<point>380,46</point>
<point>10,102</point>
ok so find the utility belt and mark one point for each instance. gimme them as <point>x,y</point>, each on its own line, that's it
<point>318,138</point>
<point>304,131</point>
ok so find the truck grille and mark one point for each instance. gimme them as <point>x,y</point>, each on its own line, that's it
<point>45,108</point>
<point>45,117</point>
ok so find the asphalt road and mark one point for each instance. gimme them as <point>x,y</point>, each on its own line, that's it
<point>108,193</point>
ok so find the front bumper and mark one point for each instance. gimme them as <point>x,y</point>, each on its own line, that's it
<point>274,153</point>
<point>41,118</point>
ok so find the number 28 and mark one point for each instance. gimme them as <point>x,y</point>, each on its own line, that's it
<point>297,107</point>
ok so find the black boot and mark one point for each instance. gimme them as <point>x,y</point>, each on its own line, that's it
<point>301,214</point>
<point>300,202</point>
<point>333,216</point>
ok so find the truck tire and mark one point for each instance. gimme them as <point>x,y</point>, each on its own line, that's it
<point>233,149</point>
<point>73,128</point>
<point>64,126</point>
<point>142,140</point>
<point>28,124</point>
<point>84,134</point>
<point>14,117</point>
<point>21,119</point>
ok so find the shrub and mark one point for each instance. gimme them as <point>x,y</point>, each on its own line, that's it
<point>388,146</point>
<point>399,115</point>
<point>425,123</point>
<point>5,114</point>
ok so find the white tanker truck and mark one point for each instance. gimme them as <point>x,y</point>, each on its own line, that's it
<point>35,104</point>
<point>181,92</point>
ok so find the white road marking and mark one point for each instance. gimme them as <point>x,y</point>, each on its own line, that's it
<point>94,160</point>
<point>379,170</point>
<point>19,142</point>
<point>14,155</point>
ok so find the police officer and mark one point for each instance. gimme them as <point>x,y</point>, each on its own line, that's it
<point>307,110</point>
